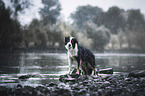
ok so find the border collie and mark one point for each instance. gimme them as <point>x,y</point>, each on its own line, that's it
<point>83,56</point>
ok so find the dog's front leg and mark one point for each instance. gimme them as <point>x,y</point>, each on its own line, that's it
<point>70,63</point>
<point>78,66</point>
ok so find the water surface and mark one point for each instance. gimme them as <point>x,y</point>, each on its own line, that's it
<point>47,67</point>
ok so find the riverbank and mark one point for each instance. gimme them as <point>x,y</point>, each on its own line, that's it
<point>78,85</point>
<point>63,50</point>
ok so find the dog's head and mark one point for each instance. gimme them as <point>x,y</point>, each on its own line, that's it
<point>70,43</point>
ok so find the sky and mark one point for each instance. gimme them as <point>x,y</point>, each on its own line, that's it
<point>69,6</point>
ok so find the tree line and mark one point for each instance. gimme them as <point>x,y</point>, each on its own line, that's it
<point>94,28</point>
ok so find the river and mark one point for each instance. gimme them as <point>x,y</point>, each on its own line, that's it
<point>47,67</point>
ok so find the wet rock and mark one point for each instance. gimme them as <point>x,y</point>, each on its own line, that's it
<point>82,92</point>
<point>61,92</point>
<point>137,73</point>
<point>82,78</point>
<point>69,80</point>
<point>41,90</point>
<point>26,91</point>
<point>108,93</point>
<point>52,84</point>
<point>142,80</point>
<point>80,85</point>
<point>3,91</point>
<point>24,77</point>
<point>29,88</point>
<point>74,75</point>
<point>18,92</point>
<point>75,70</point>
<point>62,78</point>
<point>19,86</point>
<point>106,71</point>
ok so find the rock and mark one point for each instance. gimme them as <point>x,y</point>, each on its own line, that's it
<point>74,75</point>
<point>18,92</point>
<point>29,88</point>
<point>26,91</point>
<point>69,79</point>
<point>106,71</point>
<point>41,91</point>
<point>19,86</point>
<point>82,92</point>
<point>75,70</point>
<point>62,78</point>
<point>3,91</point>
<point>24,77</point>
<point>109,93</point>
<point>137,73</point>
<point>101,71</point>
<point>51,84</point>
<point>61,92</point>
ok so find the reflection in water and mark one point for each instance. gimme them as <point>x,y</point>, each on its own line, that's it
<point>48,66</point>
<point>39,63</point>
<point>121,62</point>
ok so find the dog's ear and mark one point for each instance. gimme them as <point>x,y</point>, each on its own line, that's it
<point>74,42</point>
<point>66,40</point>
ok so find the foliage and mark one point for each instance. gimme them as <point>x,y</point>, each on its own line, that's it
<point>19,6</point>
<point>84,14</point>
<point>94,28</point>
<point>51,11</point>
<point>11,35</point>
<point>125,28</point>
<point>45,33</point>
<point>112,19</point>
<point>39,36</point>
<point>135,18</point>
<point>100,36</point>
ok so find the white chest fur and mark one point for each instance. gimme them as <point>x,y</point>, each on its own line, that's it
<point>73,52</point>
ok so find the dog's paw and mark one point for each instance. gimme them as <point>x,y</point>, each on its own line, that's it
<point>77,72</point>
<point>68,73</point>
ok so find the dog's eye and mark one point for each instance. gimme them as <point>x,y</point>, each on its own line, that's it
<point>73,41</point>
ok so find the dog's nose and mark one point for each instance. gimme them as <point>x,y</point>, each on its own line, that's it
<point>69,45</point>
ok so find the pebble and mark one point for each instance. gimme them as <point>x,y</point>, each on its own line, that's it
<point>79,85</point>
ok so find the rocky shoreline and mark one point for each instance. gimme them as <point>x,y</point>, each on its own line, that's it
<point>78,85</point>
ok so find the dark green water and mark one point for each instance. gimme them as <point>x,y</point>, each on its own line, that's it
<point>47,67</point>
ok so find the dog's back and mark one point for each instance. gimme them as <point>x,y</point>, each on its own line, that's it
<point>87,60</point>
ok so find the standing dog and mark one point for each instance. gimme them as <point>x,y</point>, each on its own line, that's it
<point>83,56</point>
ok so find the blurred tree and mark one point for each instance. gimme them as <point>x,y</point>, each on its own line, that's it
<point>51,11</point>
<point>140,40</point>
<point>45,33</point>
<point>112,19</point>
<point>84,14</point>
<point>135,18</point>
<point>99,35</point>
<point>36,35</point>
<point>121,38</point>
<point>11,35</point>
<point>55,37</point>
<point>18,6</point>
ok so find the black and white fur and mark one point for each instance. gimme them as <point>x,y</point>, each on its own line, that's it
<point>83,56</point>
